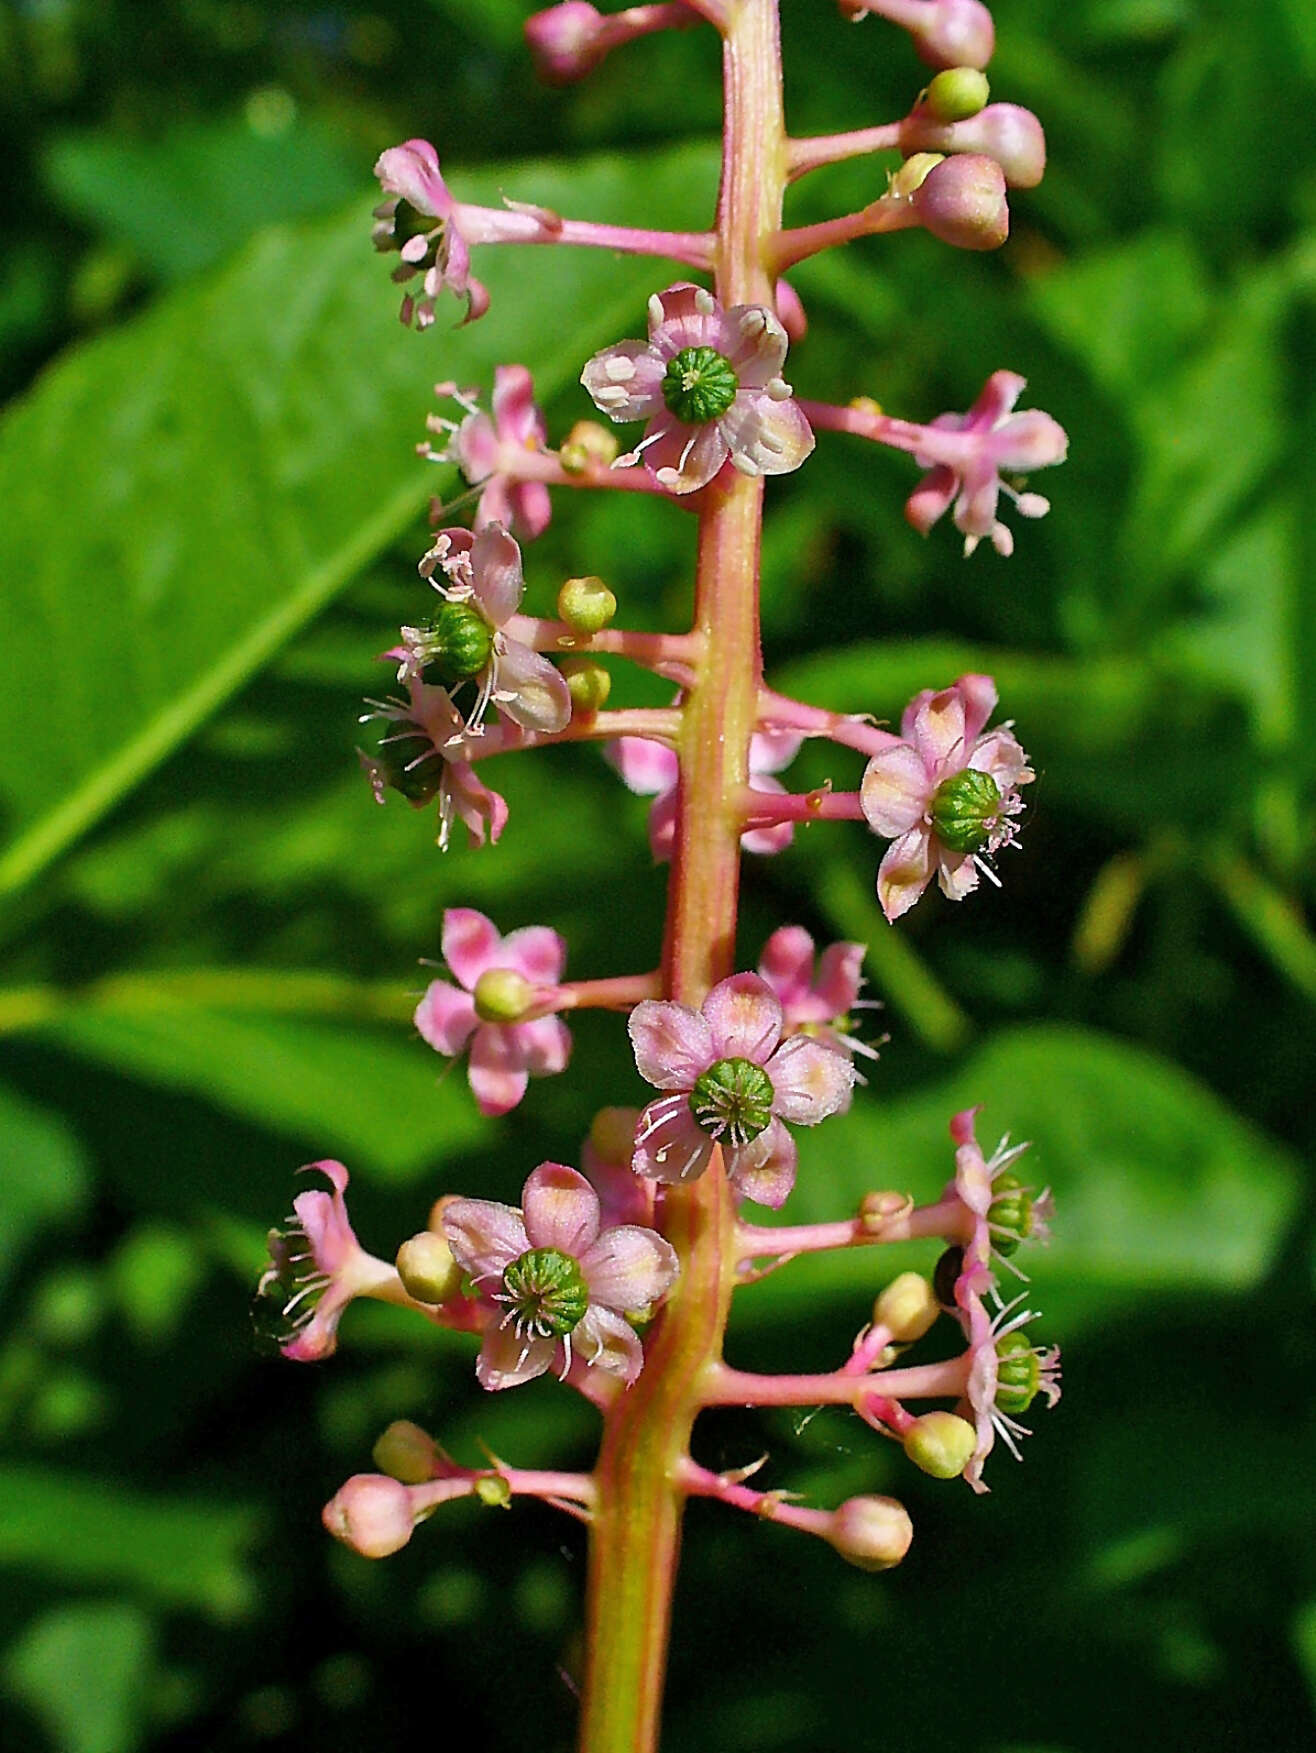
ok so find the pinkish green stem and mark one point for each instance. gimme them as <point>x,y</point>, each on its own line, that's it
<point>929,1381</point>
<point>481,225</point>
<point>635,1532</point>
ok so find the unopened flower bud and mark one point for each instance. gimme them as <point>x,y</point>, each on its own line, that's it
<point>914,172</point>
<point>494,1491</point>
<point>1011,135</point>
<point>871,1532</point>
<point>564,41</point>
<point>613,1134</point>
<point>962,202</point>
<point>588,683</point>
<point>957,93</point>
<point>954,33</point>
<point>427,1270</point>
<point>907,1308</point>
<point>372,1514</point>
<point>586,604</point>
<point>940,1443</point>
<point>406,1453</point>
<point>877,1210</point>
<point>502,996</point>
<point>588,446</point>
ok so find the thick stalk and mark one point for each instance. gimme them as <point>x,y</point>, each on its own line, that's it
<point>635,1533</point>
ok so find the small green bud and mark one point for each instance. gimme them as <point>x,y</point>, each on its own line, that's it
<point>406,1453</point>
<point>457,643</point>
<point>907,1307</point>
<point>964,808</point>
<point>873,1533</point>
<point>957,93</point>
<point>588,446</point>
<point>546,1292</point>
<point>1012,1212</point>
<point>1018,1374</point>
<point>502,996</point>
<point>427,1269</point>
<point>913,171</point>
<point>613,1133</point>
<point>733,1098</point>
<point>941,1444</point>
<point>944,1275</point>
<point>586,604</point>
<point>588,683</point>
<point>699,385</point>
<point>494,1491</point>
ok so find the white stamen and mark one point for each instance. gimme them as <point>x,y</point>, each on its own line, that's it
<point>705,303</point>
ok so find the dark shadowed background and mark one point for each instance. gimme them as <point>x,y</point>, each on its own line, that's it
<point>210,519</point>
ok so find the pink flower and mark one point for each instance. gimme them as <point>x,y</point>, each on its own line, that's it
<point>416,757</point>
<point>1001,1211</point>
<point>708,381</point>
<point>1006,1374</point>
<point>651,769</point>
<point>945,795</point>
<point>316,1268</point>
<point>418,217</point>
<point>735,1082</point>
<point>487,448</point>
<point>965,469</point>
<point>501,979</point>
<point>817,1005</point>
<point>466,640</point>
<point>563,1281</point>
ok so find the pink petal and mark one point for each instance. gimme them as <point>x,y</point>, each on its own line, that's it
<point>809,1080</point>
<point>764,1171</point>
<point>682,323</point>
<point>467,797</point>
<point>506,1360</point>
<point>530,690</point>
<point>672,1043</point>
<point>787,965</point>
<point>766,437</point>
<point>938,732</point>
<point>513,401</point>
<point>561,1210</point>
<point>629,1267</point>
<point>744,1019</point>
<point>999,754</point>
<point>684,458</point>
<point>485,1237</point>
<point>608,1343</point>
<point>543,1046</point>
<point>979,696</point>
<point>412,171</point>
<point>669,1146</point>
<point>895,790</point>
<point>625,382</point>
<point>496,1070</point>
<point>532,508</point>
<point>905,872</point>
<point>839,977</point>
<point>446,1018</point>
<point>1028,441</point>
<point>753,340</point>
<point>536,951</point>
<point>477,448</point>
<point>662,827</point>
<point>646,767</point>
<point>957,874</point>
<point>995,400</point>
<point>770,751</point>
<point>496,563</point>
<point>471,944</point>
<point>931,498</point>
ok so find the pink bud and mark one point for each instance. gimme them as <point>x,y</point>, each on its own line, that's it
<point>954,33</point>
<point>962,202</point>
<point>871,1532</point>
<point>372,1514</point>
<point>1012,136</point>
<point>565,41</point>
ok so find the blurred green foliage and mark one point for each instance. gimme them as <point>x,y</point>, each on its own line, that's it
<point>211,517</point>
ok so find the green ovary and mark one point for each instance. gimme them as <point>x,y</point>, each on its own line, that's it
<point>547,1291</point>
<point>1018,1374</point>
<point>458,642</point>
<point>964,808</point>
<point>699,385</point>
<point>733,1100</point>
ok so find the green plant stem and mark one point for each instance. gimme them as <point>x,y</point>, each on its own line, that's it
<point>635,1533</point>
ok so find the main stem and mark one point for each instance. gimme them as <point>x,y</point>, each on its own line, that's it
<point>636,1529</point>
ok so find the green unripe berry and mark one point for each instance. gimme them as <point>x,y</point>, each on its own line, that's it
<point>427,1269</point>
<point>733,1099</point>
<point>699,385</point>
<point>406,1453</point>
<point>458,642</point>
<point>957,93</point>
<point>586,604</point>
<point>964,808</point>
<point>405,760</point>
<point>940,1444</point>
<point>547,1293</point>
<point>588,683</point>
<point>502,996</point>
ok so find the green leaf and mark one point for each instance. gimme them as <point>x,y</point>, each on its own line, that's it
<point>184,495</point>
<point>1158,1186</point>
<point>82,1669</point>
<point>45,1175</point>
<point>88,1531</point>
<point>381,1102</point>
